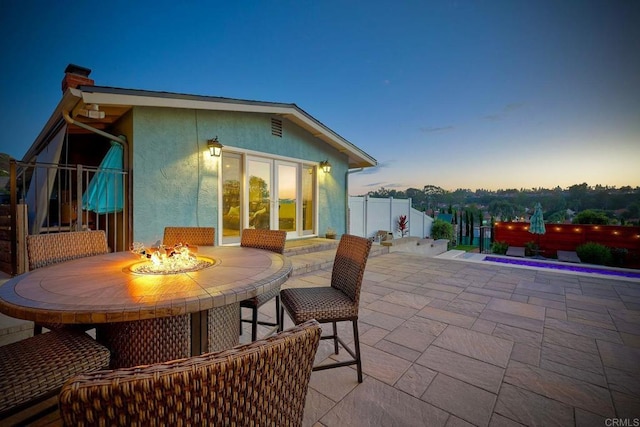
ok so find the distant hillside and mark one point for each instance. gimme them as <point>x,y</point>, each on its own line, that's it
<point>4,164</point>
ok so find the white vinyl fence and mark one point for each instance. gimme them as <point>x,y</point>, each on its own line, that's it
<point>367,215</point>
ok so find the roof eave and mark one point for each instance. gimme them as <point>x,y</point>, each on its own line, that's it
<point>116,96</point>
<point>69,99</point>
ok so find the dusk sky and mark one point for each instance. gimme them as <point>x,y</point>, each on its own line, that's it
<point>457,94</point>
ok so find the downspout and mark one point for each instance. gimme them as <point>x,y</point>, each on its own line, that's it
<point>125,145</point>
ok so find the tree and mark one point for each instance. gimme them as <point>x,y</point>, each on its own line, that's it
<point>505,205</point>
<point>634,210</point>
<point>433,194</point>
<point>502,209</point>
<point>577,194</point>
<point>591,216</point>
<point>556,217</point>
<point>471,227</point>
<point>418,198</point>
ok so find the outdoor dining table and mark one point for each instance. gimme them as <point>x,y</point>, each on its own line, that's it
<point>105,290</point>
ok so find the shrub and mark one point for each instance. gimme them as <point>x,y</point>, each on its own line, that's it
<point>619,256</point>
<point>594,253</point>
<point>403,225</point>
<point>499,248</point>
<point>591,216</point>
<point>441,230</point>
<point>530,248</point>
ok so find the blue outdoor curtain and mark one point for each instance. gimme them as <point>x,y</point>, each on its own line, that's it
<point>105,192</point>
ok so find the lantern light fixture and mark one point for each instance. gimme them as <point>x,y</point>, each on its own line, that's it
<point>215,148</point>
<point>326,166</point>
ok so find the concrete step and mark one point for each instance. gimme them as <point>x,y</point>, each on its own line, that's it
<point>305,246</point>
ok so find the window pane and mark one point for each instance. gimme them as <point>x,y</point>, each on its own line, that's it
<point>287,194</point>
<point>231,206</point>
<point>259,194</point>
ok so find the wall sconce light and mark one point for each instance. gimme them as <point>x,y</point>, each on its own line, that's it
<point>215,148</point>
<point>326,166</point>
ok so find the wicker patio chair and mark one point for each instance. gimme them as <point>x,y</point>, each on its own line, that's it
<point>336,303</point>
<point>48,249</point>
<point>263,383</point>
<point>36,367</point>
<point>203,236</point>
<point>271,240</point>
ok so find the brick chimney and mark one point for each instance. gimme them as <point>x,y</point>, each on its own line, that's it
<point>74,76</point>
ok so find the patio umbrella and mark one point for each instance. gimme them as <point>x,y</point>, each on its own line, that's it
<point>104,193</point>
<point>536,222</point>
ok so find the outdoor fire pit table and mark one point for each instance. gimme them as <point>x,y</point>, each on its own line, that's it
<point>143,317</point>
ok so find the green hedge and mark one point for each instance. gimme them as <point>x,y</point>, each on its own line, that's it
<point>595,253</point>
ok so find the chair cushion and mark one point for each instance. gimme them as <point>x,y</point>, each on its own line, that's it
<point>321,303</point>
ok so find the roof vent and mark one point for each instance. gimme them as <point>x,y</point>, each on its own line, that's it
<point>276,127</point>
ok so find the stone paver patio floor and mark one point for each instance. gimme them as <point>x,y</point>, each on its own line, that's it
<point>455,343</point>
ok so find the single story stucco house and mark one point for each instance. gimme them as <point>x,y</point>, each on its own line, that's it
<point>268,173</point>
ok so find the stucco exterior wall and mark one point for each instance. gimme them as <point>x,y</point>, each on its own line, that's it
<point>175,180</point>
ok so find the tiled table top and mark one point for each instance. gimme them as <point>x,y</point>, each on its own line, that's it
<point>102,289</point>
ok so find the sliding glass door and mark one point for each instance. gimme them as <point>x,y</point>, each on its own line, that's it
<point>259,192</point>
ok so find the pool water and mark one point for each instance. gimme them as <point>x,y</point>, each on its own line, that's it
<point>566,267</point>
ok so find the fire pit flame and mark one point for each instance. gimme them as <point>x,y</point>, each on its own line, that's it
<point>163,260</point>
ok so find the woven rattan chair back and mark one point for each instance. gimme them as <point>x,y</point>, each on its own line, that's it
<point>271,240</point>
<point>48,249</point>
<point>349,264</point>
<point>197,236</point>
<point>262,383</point>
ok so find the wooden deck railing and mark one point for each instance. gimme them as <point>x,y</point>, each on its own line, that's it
<point>62,210</point>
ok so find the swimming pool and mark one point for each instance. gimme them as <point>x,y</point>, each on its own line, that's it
<point>565,267</point>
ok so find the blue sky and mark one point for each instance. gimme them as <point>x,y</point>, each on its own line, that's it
<point>458,94</point>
